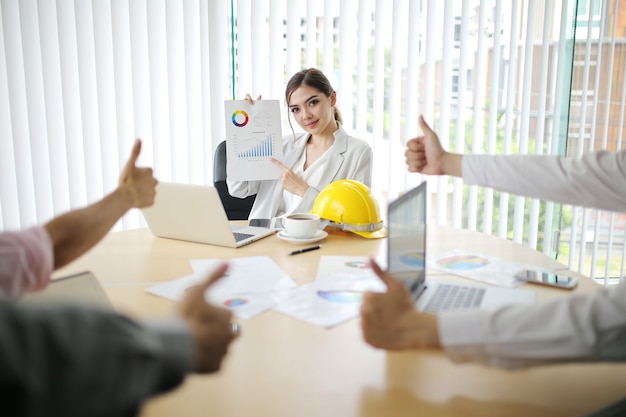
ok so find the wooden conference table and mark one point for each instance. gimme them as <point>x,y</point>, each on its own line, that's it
<point>282,367</point>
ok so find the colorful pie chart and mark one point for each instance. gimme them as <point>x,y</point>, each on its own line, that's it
<point>462,262</point>
<point>235,302</point>
<point>240,118</point>
<point>357,264</point>
<point>342,296</point>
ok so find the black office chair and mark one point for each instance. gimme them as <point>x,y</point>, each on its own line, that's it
<point>236,208</point>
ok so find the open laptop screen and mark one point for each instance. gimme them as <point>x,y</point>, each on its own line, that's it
<point>195,213</point>
<point>406,248</point>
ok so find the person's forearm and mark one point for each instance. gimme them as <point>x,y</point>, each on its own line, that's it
<point>451,164</point>
<point>426,331</point>
<point>579,327</point>
<point>242,189</point>
<point>79,230</point>
<point>593,180</point>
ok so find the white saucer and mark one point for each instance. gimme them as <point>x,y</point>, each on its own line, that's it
<point>319,235</point>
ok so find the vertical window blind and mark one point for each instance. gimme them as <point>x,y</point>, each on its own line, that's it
<point>80,80</point>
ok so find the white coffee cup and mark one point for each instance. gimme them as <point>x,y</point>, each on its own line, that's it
<point>301,225</point>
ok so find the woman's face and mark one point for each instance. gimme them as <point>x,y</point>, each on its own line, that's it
<point>313,110</point>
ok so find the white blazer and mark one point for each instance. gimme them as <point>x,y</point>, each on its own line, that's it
<point>350,158</point>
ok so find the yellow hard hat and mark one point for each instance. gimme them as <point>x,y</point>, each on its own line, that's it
<point>349,205</point>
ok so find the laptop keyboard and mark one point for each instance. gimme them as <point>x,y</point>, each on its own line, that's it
<point>241,236</point>
<point>455,297</point>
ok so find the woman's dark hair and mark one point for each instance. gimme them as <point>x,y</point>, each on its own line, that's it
<point>315,78</point>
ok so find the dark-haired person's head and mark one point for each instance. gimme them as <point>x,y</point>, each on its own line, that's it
<point>311,100</point>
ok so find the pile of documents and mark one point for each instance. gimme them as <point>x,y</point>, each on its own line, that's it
<point>255,284</point>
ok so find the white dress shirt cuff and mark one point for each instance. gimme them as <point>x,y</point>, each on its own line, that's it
<point>463,335</point>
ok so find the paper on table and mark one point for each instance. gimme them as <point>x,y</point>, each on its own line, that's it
<point>319,305</point>
<point>336,295</point>
<point>348,272</point>
<point>246,289</point>
<point>478,267</point>
<point>253,136</point>
<point>244,306</point>
<point>252,274</point>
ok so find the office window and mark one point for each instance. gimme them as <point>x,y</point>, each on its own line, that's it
<point>161,70</point>
<point>485,86</point>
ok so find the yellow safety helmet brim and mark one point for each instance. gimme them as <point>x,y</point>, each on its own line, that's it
<point>378,234</point>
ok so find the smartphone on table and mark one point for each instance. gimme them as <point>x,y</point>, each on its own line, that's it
<point>552,279</point>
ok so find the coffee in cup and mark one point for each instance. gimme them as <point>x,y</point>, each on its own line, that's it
<point>301,225</point>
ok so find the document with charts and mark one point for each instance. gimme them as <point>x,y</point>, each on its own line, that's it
<point>479,267</point>
<point>335,296</point>
<point>253,136</point>
<point>248,288</point>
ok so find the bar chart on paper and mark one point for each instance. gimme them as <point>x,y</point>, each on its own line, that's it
<point>255,148</point>
<point>253,136</point>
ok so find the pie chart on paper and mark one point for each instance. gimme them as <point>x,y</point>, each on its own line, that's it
<point>357,264</point>
<point>235,302</point>
<point>341,296</point>
<point>463,262</point>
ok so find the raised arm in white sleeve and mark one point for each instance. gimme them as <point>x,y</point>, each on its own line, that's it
<point>584,327</point>
<point>597,179</point>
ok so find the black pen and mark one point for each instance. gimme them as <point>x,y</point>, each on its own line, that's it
<point>295,252</point>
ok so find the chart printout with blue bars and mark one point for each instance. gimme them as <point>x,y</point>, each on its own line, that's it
<point>253,136</point>
<point>262,150</point>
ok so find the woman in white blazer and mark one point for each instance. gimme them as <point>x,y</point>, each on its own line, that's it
<point>311,160</point>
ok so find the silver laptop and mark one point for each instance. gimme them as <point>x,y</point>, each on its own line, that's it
<point>81,288</point>
<point>195,213</point>
<point>406,259</point>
